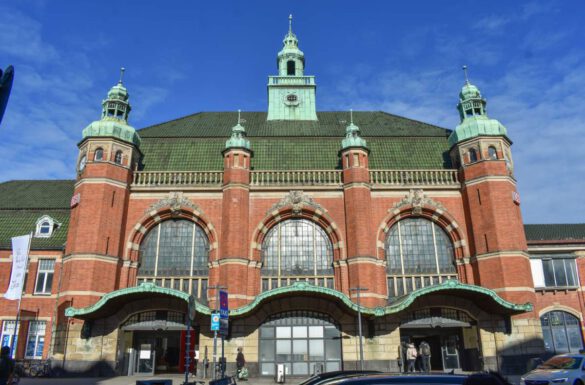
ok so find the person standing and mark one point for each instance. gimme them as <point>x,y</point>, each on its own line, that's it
<point>425,356</point>
<point>411,355</point>
<point>6,366</point>
<point>240,364</point>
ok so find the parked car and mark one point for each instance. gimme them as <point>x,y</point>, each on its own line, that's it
<point>567,369</point>
<point>319,378</point>
<point>411,379</point>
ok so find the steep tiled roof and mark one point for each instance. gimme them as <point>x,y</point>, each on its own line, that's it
<point>195,142</point>
<point>23,202</point>
<point>555,232</point>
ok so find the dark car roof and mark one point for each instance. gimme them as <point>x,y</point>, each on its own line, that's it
<point>448,379</point>
<point>338,373</point>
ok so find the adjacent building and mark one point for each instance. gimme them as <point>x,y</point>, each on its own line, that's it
<point>307,218</point>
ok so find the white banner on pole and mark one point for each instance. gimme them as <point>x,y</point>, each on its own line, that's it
<point>20,250</point>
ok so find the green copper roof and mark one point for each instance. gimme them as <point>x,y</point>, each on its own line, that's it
<point>114,121</point>
<point>23,202</point>
<point>477,126</point>
<point>306,288</point>
<point>474,119</point>
<point>556,232</point>
<point>195,142</point>
<point>352,137</point>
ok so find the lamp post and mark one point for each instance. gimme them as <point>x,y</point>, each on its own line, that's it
<point>217,289</point>
<point>358,290</point>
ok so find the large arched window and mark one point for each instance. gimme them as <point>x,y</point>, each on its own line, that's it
<point>175,254</point>
<point>296,249</point>
<point>561,332</point>
<point>418,254</point>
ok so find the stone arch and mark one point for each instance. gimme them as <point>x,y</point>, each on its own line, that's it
<point>165,210</point>
<point>417,205</point>
<point>314,214</point>
<point>560,307</point>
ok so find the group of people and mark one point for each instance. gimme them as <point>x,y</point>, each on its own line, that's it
<point>423,353</point>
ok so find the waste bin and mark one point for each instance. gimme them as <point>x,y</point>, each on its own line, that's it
<point>280,376</point>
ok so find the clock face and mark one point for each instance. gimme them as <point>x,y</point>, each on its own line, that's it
<point>82,162</point>
<point>291,100</point>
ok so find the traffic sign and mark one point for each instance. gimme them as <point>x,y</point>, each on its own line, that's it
<point>214,322</point>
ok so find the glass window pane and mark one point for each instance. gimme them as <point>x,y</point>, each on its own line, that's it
<point>575,341</point>
<point>266,350</point>
<point>560,275</point>
<point>299,332</point>
<point>332,350</point>
<point>268,369</point>
<point>300,369</point>
<point>267,332</point>
<point>315,331</point>
<point>300,349</point>
<point>316,350</point>
<point>548,341</point>
<point>549,274</point>
<point>332,366</point>
<point>331,332</point>
<point>283,332</point>
<point>283,350</point>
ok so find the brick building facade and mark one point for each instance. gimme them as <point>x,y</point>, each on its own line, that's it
<point>290,211</point>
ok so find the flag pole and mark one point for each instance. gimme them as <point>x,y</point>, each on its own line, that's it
<point>14,334</point>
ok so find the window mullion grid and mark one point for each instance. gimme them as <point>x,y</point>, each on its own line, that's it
<point>401,256</point>
<point>157,251</point>
<point>279,253</point>
<point>192,259</point>
<point>435,249</point>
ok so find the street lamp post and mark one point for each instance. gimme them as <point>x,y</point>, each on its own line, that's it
<point>358,290</point>
<point>217,289</point>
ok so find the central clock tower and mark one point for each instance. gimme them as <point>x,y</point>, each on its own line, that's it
<point>291,94</point>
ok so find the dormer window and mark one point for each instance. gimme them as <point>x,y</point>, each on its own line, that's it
<point>45,226</point>
<point>99,154</point>
<point>118,157</point>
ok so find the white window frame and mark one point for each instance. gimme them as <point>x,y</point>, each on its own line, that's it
<point>537,268</point>
<point>44,272</point>
<point>8,334</point>
<point>36,330</point>
<point>42,222</point>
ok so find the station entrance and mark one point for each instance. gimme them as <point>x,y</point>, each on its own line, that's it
<point>452,335</point>
<point>154,342</point>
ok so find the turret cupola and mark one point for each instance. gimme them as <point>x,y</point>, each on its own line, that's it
<point>114,119</point>
<point>291,94</point>
<point>352,135</point>
<point>238,138</point>
<point>473,115</point>
<point>291,60</point>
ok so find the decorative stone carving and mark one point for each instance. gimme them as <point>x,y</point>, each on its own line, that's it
<point>297,199</point>
<point>174,201</point>
<point>417,199</point>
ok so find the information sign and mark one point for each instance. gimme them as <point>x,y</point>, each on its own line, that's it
<point>223,313</point>
<point>214,322</point>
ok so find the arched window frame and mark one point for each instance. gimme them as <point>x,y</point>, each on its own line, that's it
<point>492,152</point>
<point>192,279</point>
<point>45,227</point>
<point>559,327</point>
<point>118,157</point>
<point>98,154</point>
<point>401,276</point>
<point>473,155</point>
<point>275,273</point>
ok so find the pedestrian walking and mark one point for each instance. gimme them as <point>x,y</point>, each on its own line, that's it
<point>6,366</point>
<point>242,371</point>
<point>411,355</point>
<point>424,351</point>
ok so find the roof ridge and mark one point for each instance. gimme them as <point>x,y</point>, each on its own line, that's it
<point>172,120</point>
<point>412,120</point>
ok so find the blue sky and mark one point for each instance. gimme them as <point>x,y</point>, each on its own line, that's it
<point>401,57</point>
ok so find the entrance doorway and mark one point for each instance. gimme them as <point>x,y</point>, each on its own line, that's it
<point>304,342</point>
<point>451,334</point>
<point>155,342</point>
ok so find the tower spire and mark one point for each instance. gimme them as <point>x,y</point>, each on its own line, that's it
<point>121,75</point>
<point>238,138</point>
<point>290,24</point>
<point>465,74</point>
<point>352,135</point>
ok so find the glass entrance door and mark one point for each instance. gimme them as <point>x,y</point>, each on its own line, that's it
<point>450,352</point>
<point>303,342</point>
<point>145,359</point>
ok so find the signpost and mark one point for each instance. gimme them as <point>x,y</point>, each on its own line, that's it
<point>217,289</point>
<point>223,325</point>
<point>190,318</point>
